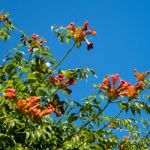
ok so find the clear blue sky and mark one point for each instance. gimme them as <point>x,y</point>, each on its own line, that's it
<point>122,42</point>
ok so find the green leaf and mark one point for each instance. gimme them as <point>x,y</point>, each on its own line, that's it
<point>132,108</point>
<point>35,75</point>
<point>67,40</point>
<point>73,117</point>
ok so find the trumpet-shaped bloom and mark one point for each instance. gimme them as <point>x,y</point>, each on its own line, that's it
<point>35,36</point>
<point>20,104</point>
<point>60,82</point>
<point>60,77</point>
<point>79,33</point>
<point>31,101</point>
<point>47,111</point>
<point>130,92</point>
<point>140,76</point>
<point>115,88</point>
<point>10,93</point>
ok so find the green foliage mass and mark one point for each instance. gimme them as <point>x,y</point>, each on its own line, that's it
<point>81,125</point>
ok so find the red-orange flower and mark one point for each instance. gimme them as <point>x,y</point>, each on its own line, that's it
<point>35,110</point>
<point>21,104</point>
<point>60,77</point>
<point>79,34</point>
<point>31,101</point>
<point>47,111</point>
<point>140,76</point>
<point>111,89</point>
<point>115,88</point>
<point>42,41</point>
<point>130,92</point>
<point>33,107</point>
<point>123,85</point>
<point>10,93</point>
<point>126,137</point>
<point>35,36</point>
<point>141,85</point>
<point>58,80</point>
<point>115,78</point>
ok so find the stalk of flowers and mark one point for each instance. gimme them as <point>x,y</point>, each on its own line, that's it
<point>48,110</point>
<point>33,107</point>
<point>59,81</point>
<point>32,101</point>
<point>10,93</point>
<point>25,105</point>
<point>38,112</point>
<point>33,42</point>
<point>123,88</point>
<point>79,34</point>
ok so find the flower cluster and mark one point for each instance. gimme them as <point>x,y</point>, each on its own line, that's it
<point>59,81</point>
<point>10,93</point>
<point>33,106</point>
<point>79,34</point>
<point>115,88</point>
<point>32,42</point>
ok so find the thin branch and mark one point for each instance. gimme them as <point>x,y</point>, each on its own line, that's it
<point>111,120</point>
<point>87,122</point>
<point>63,58</point>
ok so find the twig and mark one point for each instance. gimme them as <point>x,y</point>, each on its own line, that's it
<point>109,101</point>
<point>63,58</point>
<point>111,120</point>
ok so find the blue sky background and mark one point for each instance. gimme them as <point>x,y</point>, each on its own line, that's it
<point>121,44</point>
